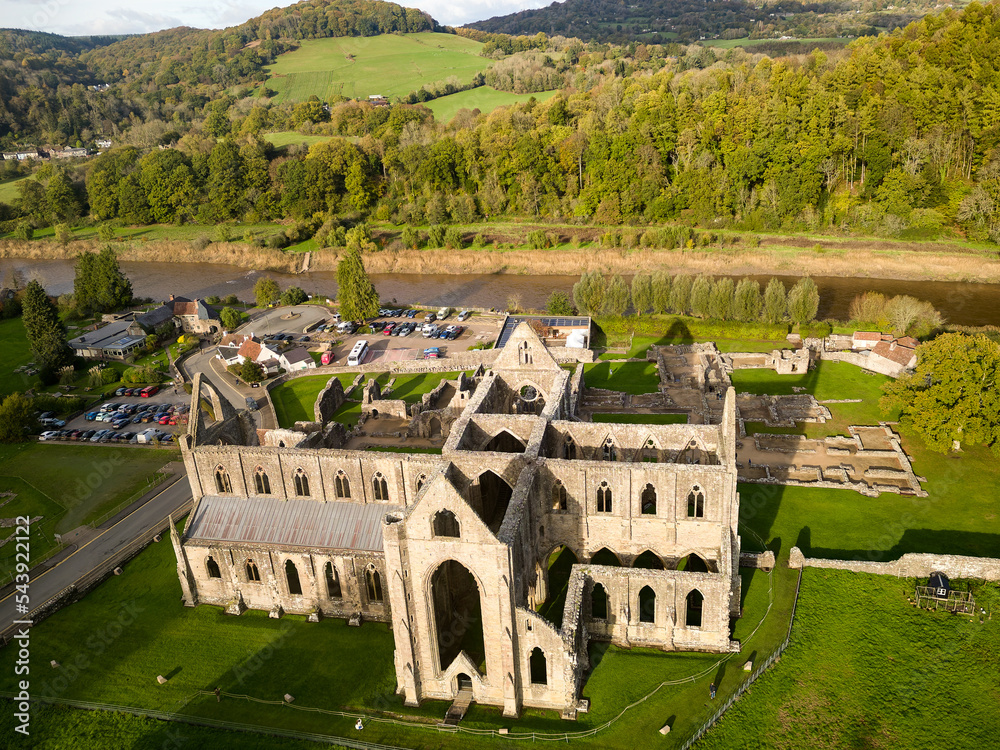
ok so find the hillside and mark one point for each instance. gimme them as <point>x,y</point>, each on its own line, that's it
<point>392,65</point>
<point>661,21</point>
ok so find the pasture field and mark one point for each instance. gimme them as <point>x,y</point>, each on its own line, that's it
<point>282,138</point>
<point>356,67</point>
<point>730,43</point>
<point>8,190</point>
<point>483,98</point>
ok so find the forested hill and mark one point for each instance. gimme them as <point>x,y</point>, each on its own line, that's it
<point>898,136</point>
<point>166,75</point>
<point>661,21</point>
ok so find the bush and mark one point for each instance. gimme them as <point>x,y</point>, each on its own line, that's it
<point>251,372</point>
<point>106,233</point>
<point>410,238</point>
<point>213,299</point>
<point>435,236</point>
<point>200,242</point>
<point>24,231</point>
<point>145,375</point>
<point>294,296</point>
<point>537,240</point>
<point>481,345</point>
<point>453,238</point>
<point>559,304</point>
<point>222,233</point>
<point>479,241</point>
<point>64,235</point>
<point>231,299</point>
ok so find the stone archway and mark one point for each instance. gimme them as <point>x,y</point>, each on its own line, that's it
<point>458,615</point>
<point>504,442</point>
<point>489,497</point>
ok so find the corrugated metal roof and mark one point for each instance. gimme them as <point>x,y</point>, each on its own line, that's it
<point>295,523</point>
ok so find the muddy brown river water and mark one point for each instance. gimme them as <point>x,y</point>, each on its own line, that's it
<point>961,303</point>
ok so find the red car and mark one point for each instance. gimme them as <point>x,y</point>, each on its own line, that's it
<point>150,390</point>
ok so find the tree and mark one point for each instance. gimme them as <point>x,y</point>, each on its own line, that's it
<point>661,292</point>
<point>748,302</point>
<point>720,303</point>
<point>230,318</point>
<point>266,291</point>
<point>17,414</point>
<point>803,301</point>
<point>410,238</point>
<point>294,296</point>
<point>952,394</point>
<point>251,372</point>
<point>701,297</point>
<point>902,311</point>
<point>61,199</point>
<point>225,181</point>
<point>355,291</point>
<point>642,293</point>
<point>775,302</point>
<point>616,298</point>
<point>589,292</point>
<point>680,294</point>
<point>112,287</point>
<point>46,333</point>
<point>559,304</point>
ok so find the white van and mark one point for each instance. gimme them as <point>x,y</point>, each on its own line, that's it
<point>357,354</point>
<point>443,313</point>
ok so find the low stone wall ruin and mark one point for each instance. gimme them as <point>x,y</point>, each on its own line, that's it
<point>910,565</point>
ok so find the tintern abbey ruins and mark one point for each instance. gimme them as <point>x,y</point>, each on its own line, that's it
<point>452,549</point>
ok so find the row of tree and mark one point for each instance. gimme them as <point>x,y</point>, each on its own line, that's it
<point>700,296</point>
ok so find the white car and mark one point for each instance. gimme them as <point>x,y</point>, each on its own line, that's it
<point>48,435</point>
<point>464,315</point>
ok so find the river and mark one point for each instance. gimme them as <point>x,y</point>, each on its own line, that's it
<point>960,303</point>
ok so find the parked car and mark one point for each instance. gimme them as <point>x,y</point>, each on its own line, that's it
<point>251,404</point>
<point>150,390</point>
<point>430,317</point>
<point>432,353</point>
<point>121,391</point>
<point>444,312</point>
<point>410,313</point>
<point>91,416</point>
<point>48,435</point>
<point>387,331</point>
<point>464,315</point>
<point>96,437</point>
<point>430,331</point>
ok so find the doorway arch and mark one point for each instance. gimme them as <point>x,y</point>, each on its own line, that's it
<point>458,615</point>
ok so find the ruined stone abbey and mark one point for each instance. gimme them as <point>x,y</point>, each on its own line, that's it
<point>452,549</point>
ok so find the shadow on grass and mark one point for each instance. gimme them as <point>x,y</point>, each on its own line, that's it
<point>930,541</point>
<point>759,505</point>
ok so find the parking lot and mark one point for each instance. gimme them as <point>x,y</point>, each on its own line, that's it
<point>167,396</point>
<point>479,328</point>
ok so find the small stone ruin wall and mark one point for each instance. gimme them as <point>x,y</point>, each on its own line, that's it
<point>912,565</point>
<point>329,400</point>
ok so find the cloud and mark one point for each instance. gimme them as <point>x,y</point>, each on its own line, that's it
<point>82,17</point>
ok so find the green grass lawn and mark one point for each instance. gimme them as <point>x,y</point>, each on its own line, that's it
<point>284,138</point>
<point>633,418</point>
<point>69,486</point>
<point>640,345</point>
<point>868,670</point>
<point>8,190</point>
<point>294,400</point>
<point>154,232</point>
<point>483,98</point>
<point>392,65</point>
<point>630,377</point>
<point>14,352</point>
<point>827,380</point>
<point>133,627</point>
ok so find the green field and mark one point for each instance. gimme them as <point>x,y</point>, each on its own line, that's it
<point>69,486</point>
<point>164,232</point>
<point>14,352</point>
<point>284,138</point>
<point>827,380</point>
<point>8,190</point>
<point>356,67</point>
<point>866,669</point>
<point>483,98</point>
<point>629,377</point>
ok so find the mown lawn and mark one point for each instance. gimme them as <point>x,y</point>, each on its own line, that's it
<point>14,352</point>
<point>629,377</point>
<point>483,98</point>
<point>641,418</point>
<point>282,138</point>
<point>868,670</point>
<point>8,190</point>
<point>827,380</point>
<point>69,486</point>
<point>294,400</point>
<point>392,65</point>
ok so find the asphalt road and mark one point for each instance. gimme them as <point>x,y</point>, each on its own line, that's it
<point>149,518</point>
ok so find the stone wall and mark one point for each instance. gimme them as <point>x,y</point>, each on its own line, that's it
<point>911,565</point>
<point>329,400</point>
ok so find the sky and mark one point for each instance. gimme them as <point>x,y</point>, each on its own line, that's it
<point>82,17</point>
